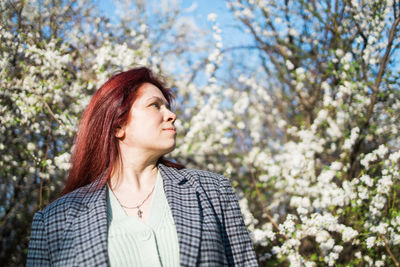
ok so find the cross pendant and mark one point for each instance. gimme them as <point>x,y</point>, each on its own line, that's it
<point>139,213</point>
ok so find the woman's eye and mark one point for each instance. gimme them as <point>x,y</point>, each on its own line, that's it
<point>157,105</point>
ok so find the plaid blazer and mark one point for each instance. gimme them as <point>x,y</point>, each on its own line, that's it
<point>72,230</point>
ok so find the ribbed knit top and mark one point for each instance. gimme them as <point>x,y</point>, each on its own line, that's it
<point>132,242</point>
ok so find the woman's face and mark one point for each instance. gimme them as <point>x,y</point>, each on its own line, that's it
<point>150,126</point>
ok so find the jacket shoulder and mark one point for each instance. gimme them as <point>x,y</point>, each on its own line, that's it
<point>62,204</point>
<point>209,181</point>
<point>203,175</point>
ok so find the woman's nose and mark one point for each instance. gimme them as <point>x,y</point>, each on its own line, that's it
<point>170,116</point>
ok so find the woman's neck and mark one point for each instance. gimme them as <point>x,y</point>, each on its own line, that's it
<point>134,175</point>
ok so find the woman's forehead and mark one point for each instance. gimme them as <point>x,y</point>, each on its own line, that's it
<point>148,91</point>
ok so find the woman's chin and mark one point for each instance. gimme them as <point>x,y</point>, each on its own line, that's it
<point>171,149</point>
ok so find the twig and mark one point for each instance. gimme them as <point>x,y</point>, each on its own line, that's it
<point>247,47</point>
<point>41,193</point>
<point>11,211</point>
<point>389,251</point>
<point>50,111</point>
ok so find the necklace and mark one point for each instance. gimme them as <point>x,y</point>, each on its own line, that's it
<point>139,212</point>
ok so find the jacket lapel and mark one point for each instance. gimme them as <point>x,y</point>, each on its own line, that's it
<point>89,228</point>
<point>183,200</point>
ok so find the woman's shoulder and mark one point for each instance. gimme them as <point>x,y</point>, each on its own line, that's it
<point>206,178</point>
<point>72,200</point>
<point>202,174</point>
<point>216,187</point>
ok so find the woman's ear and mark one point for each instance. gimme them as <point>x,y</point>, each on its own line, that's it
<point>120,132</point>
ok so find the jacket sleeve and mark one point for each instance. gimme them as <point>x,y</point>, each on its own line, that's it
<point>38,251</point>
<point>239,242</point>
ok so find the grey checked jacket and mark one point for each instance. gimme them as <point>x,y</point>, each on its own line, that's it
<point>72,231</point>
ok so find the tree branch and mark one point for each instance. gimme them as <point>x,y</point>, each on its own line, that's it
<point>382,68</point>
<point>50,111</point>
<point>375,91</point>
<point>389,251</point>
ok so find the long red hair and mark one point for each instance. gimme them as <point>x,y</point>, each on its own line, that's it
<point>96,147</point>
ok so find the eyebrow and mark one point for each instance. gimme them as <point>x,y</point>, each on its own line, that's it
<point>161,100</point>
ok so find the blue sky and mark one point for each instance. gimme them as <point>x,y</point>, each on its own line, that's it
<point>201,8</point>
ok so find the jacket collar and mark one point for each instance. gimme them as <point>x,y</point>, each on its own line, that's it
<point>175,176</point>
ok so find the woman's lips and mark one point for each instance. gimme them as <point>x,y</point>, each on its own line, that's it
<point>170,129</point>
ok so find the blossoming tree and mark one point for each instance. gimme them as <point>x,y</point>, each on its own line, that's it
<point>310,135</point>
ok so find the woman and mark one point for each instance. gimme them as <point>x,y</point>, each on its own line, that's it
<point>124,204</point>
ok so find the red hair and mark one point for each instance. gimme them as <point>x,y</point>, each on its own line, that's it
<point>96,147</point>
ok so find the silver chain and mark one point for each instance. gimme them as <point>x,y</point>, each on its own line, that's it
<point>140,212</point>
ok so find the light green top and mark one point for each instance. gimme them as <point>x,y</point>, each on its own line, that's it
<point>132,242</point>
